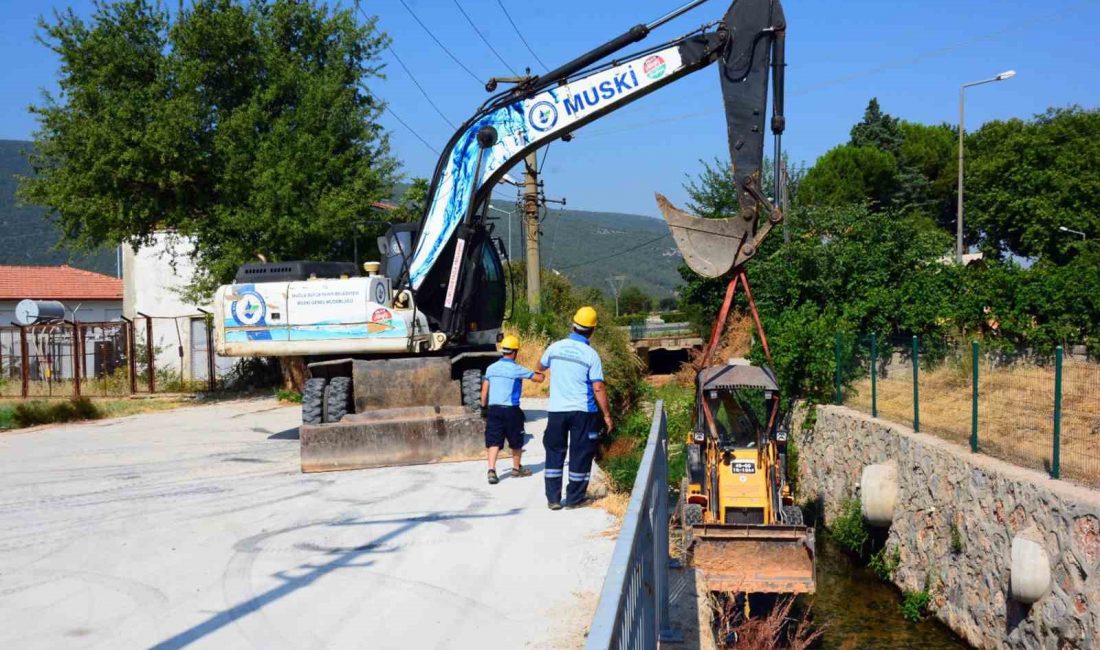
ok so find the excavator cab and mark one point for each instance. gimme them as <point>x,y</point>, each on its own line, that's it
<point>744,531</point>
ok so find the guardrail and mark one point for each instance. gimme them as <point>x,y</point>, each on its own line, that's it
<point>633,608</point>
<point>654,331</point>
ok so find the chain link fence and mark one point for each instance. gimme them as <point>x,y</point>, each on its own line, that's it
<point>1035,408</point>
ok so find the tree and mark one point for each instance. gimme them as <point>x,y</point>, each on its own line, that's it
<point>247,127</point>
<point>633,300</point>
<point>848,175</point>
<point>1025,179</point>
<point>877,130</point>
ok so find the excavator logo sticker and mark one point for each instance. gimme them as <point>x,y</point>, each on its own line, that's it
<point>250,309</point>
<point>654,67</point>
<point>543,116</point>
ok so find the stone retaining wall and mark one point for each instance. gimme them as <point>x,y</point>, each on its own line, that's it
<point>988,501</point>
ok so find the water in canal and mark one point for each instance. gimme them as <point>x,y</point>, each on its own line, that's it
<point>861,612</point>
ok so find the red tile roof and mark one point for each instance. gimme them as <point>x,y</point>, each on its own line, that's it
<point>57,283</point>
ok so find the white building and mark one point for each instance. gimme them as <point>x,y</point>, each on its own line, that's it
<point>154,279</point>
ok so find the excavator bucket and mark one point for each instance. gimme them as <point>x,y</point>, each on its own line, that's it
<point>711,247</point>
<point>755,559</point>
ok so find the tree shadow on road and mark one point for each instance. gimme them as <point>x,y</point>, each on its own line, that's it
<point>342,557</point>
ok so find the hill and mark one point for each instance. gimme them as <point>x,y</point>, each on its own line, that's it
<point>587,247</point>
<point>26,235</point>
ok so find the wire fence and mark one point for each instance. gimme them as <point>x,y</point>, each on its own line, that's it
<point>1035,408</point>
<point>109,359</point>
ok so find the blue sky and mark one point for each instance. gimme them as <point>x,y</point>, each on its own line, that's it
<point>911,55</point>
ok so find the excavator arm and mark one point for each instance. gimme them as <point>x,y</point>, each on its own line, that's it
<point>745,43</point>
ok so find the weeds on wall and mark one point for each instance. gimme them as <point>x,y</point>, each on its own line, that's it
<point>849,529</point>
<point>884,563</point>
<point>914,605</point>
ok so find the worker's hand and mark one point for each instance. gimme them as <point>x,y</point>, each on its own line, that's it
<point>608,422</point>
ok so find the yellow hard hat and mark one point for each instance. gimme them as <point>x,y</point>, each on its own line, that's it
<point>585,317</point>
<point>510,343</point>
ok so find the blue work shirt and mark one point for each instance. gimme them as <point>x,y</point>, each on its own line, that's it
<point>574,366</point>
<point>505,379</point>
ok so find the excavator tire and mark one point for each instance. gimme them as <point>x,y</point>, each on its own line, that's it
<point>793,516</point>
<point>471,388</point>
<point>337,398</point>
<point>313,397</point>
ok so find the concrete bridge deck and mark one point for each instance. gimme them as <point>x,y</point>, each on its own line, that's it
<point>194,528</point>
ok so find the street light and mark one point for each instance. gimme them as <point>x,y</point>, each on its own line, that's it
<point>493,207</point>
<point>1074,232</point>
<point>1007,74</point>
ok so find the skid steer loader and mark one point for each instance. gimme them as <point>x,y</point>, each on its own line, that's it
<point>741,526</point>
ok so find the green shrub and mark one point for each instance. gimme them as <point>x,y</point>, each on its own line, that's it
<point>28,414</point>
<point>884,563</point>
<point>848,528</point>
<point>7,417</point>
<point>622,470</point>
<point>284,395</point>
<point>914,605</point>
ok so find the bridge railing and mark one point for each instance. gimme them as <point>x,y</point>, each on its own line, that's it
<point>659,330</point>
<point>633,608</point>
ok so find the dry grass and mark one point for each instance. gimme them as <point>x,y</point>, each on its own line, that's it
<point>531,348</point>
<point>1015,410</point>
<point>774,630</point>
<point>737,341</point>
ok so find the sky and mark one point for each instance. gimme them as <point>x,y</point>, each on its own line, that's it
<point>911,55</point>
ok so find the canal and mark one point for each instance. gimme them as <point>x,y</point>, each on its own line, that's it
<point>860,612</point>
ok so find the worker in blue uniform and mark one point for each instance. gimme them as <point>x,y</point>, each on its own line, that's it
<point>577,396</point>
<point>500,393</point>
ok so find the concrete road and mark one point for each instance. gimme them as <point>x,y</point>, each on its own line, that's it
<point>194,528</point>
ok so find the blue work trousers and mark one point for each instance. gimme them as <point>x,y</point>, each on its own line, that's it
<point>575,432</point>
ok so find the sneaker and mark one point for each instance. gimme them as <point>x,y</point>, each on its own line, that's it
<point>521,472</point>
<point>579,504</point>
<point>554,506</point>
<point>493,480</point>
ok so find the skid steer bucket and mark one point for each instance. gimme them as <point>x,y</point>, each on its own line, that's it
<point>755,559</point>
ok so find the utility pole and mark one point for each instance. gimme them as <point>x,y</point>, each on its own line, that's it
<point>531,212</point>
<point>616,282</point>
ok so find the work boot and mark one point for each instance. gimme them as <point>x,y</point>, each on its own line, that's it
<point>493,480</point>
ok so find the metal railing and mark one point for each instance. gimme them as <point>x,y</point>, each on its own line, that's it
<point>659,330</point>
<point>633,608</point>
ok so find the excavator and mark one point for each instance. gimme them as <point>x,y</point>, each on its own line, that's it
<point>396,354</point>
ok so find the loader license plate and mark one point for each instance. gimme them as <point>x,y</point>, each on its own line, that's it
<point>746,467</point>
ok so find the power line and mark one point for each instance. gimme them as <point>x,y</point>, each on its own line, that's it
<point>622,252</point>
<point>439,43</point>
<point>484,40</point>
<point>520,34</point>
<point>411,130</point>
<point>419,87</point>
<point>828,83</point>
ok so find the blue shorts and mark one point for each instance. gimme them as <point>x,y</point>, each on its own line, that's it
<point>504,423</point>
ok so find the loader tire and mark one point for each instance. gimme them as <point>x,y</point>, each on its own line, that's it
<point>471,388</point>
<point>693,514</point>
<point>337,399</point>
<point>313,398</point>
<point>792,515</point>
